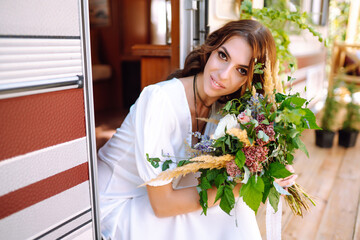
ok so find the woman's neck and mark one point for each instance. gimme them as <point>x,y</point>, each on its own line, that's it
<point>202,97</point>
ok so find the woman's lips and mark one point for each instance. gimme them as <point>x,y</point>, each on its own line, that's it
<point>216,84</point>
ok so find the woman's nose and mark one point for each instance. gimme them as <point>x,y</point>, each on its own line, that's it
<point>225,72</point>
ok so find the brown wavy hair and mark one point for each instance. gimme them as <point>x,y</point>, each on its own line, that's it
<point>258,37</point>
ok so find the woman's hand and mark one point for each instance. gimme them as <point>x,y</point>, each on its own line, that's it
<point>288,181</point>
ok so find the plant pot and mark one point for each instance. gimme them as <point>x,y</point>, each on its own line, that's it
<point>347,138</point>
<point>324,138</point>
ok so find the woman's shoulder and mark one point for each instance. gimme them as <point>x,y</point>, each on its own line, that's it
<point>166,85</point>
<point>167,90</point>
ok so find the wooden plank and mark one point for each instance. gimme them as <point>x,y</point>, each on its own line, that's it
<point>341,212</point>
<point>357,223</point>
<point>319,185</point>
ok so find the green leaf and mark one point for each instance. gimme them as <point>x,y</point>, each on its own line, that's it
<point>228,106</point>
<point>166,164</point>
<point>154,161</point>
<point>227,201</point>
<point>293,102</point>
<point>272,117</point>
<point>205,184</point>
<point>252,192</point>
<point>183,162</point>
<point>310,119</point>
<point>267,186</point>
<point>293,133</point>
<point>240,159</point>
<point>274,198</point>
<point>289,158</point>
<point>300,145</point>
<point>220,179</point>
<point>278,170</point>
<point>262,135</point>
<point>265,121</point>
<point>219,193</point>
<point>298,101</point>
<point>203,200</point>
<point>279,97</point>
<point>212,174</point>
<point>258,86</point>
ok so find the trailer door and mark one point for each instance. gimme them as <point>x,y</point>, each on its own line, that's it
<point>47,142</point>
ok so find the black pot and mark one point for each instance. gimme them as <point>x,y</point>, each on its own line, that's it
<point>324,138</point>
<point>347,138</point>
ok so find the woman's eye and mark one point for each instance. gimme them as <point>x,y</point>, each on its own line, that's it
<point>222,55</point>
<point>242,71</point>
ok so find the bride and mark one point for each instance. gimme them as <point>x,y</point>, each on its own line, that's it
<point>161,120</point>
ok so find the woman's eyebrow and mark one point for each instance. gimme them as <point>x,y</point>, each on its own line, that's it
<point>227,53</point>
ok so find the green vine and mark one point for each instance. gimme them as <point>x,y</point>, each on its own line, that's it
<point>275,20</point>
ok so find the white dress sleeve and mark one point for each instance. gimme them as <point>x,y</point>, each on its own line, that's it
<point>155,126</point>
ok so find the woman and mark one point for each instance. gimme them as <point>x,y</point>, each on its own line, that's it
<point>159,122</point>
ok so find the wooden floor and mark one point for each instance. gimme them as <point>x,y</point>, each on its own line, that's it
<point>332,176</point>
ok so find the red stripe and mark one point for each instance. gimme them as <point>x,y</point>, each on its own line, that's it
<point>25,197</point>
<point>34,122</point>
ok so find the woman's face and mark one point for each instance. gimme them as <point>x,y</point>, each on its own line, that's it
<point>227,68</point>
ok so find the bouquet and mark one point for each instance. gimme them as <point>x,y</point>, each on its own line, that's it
<point>252,144</point>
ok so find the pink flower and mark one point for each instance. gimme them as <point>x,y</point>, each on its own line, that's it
<point>255,155</point>
<point>232,169</point>
<point>243,118</point>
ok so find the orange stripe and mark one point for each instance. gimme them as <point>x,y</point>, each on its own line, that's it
<point>34,122</point>
<point>25,197</point>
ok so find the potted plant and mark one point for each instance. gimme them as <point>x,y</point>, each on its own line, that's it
<point>324,137</point>
<point>349,131</point>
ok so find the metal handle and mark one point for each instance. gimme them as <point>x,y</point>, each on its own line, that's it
<point>19,87</point>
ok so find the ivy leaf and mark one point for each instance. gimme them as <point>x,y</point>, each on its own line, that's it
<point>154,161</point>
<point>278,170</point>
<point>166,165</point>
<point>227,201</point>
<point>274,198</point>
<point>252,192</point>
<point>240,159</point>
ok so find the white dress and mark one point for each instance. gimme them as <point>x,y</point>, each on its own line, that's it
<point>159,121</point>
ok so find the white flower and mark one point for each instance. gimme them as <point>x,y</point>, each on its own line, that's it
<point>228,122</point>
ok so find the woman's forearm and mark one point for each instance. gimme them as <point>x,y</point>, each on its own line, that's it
<point>167,201</point>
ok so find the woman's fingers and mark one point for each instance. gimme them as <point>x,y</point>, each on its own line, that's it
<point>287,181</point>
<point>290,168</point>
